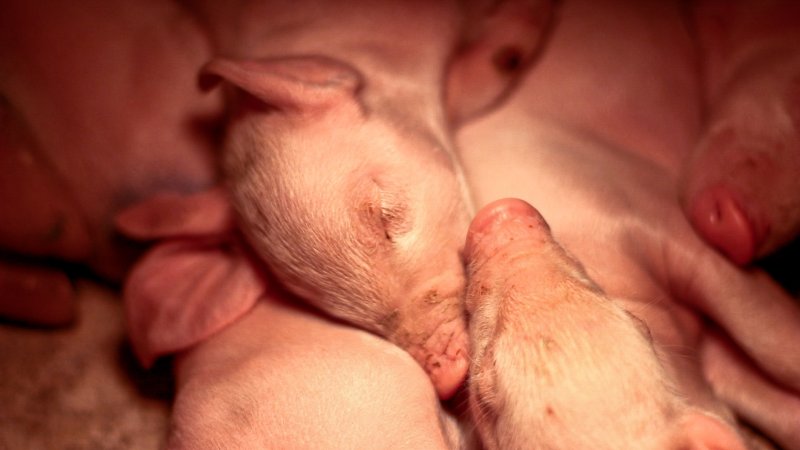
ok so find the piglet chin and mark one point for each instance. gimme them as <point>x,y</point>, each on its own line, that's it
<point>719,217</point>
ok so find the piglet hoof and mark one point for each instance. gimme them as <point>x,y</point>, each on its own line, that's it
<point>443,355</point>
<point>719,217</point>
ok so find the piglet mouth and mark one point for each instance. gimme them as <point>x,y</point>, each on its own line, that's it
<point>438,341</point>
<point>445,358</point>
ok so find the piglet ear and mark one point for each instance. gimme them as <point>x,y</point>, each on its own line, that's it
<point>171,215</point>
<point>293,84</point>
<point>196,281</point>
<point>185,290</point>
<point>503,38</point>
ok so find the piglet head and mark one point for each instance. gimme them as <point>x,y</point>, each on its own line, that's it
<point>359,213</point>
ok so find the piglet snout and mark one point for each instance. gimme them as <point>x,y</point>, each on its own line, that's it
<point>501,219</point>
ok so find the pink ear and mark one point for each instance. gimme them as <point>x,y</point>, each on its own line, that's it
<point>504,38</point>
<point>292,84</point>
<point>195,282</point>
<point>183,291</point>
<point>170,215</point>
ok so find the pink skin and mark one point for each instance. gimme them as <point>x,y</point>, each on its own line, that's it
<point>740,189</point>
<point>755,399</point>
<point>605,174</point>
<point>558,363</point>
<point>339,161</point>
<point>301,382</point>
<point>199,279</point>
<point>98,109</point>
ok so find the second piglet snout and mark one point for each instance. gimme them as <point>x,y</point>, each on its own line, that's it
<point>360,215</point>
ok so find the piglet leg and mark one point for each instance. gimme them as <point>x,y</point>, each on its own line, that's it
<point>764,404</point>
<point>762,318</point>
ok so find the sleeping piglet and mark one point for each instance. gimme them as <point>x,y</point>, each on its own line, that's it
<point>338,158</point>
<point>741,189</point>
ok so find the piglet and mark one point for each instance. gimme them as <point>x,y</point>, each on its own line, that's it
<point>741,188</point>
<point>339,160</point>
<point>556,363</point>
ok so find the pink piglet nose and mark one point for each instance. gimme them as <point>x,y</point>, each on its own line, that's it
<point>722,222</point>
<point>492,216</point>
